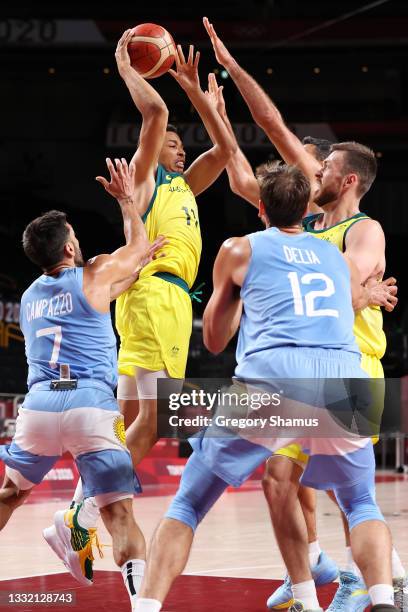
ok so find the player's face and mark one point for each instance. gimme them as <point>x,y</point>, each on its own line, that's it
<point>172,156</point>
<point>78,259</point>
<point>330,179</point>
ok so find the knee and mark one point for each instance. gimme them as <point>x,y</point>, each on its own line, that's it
<point>358,505</point>
<point>11,495</point>
<point>275,482</point>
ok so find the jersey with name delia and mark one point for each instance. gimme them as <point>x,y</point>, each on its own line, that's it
<point>296,293</point>
<point>61,327</point>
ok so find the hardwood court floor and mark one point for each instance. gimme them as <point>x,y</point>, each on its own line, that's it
<point>234,541</point>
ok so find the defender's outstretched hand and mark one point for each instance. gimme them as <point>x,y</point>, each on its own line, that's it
<point>222,54</point>
<point>214,92</point>
<point>187,71</point>
<point>122,179</point>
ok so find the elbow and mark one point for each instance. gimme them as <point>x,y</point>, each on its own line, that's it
<point>156,109</point>
<point>213,345</point>
<point>212,341</point>
<point>268,121</point>
<point>224,152</point>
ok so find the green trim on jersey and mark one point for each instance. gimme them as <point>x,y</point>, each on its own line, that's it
<point>162,178</point>
<point>307,221</point>
<point>351,225</point>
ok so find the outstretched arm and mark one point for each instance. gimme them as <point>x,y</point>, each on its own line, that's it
<point>124,262</point>
<point>223,312</point>
<point>208,166</point>
<point>154,121</point>
<point>240,174</point>
<point>264,111</point>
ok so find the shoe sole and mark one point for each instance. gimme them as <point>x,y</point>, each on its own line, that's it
<point>282,606</point>
<point>50,536</point>
<point>71,558</point>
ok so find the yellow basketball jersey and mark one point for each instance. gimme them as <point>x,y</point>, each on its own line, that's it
<point>173,213</point>
<point>368,322</point>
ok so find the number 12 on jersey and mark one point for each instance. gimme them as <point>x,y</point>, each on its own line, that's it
<point>311,296</point>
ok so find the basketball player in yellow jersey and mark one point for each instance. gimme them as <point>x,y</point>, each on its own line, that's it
<point>337,188</point>
<point>154,317</point>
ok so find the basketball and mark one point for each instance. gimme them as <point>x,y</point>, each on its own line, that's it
<point>152,50</point>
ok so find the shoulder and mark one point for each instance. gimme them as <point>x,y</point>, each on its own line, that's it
<point>364,229</point>
<point>236,249</point>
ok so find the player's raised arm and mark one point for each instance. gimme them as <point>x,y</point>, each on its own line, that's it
<point>263,110</point>
<point>240,174</point>
<point>223,312</point>
<point>123,263</point>
<point>153,110</point>
<point>208,166</point>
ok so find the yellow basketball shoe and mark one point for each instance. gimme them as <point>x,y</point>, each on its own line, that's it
<point>73,544</point>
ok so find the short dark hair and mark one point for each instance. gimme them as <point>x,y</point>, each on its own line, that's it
<point>285,193</point>
<point>172,128</point>
<point>360,160</point>
<point>45,237</point>
<point>321,144</point>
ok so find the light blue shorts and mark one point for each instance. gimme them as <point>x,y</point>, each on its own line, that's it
<point>233,458</point>
<point>85,422</point>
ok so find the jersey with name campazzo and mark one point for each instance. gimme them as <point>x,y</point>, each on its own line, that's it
<point>296,294</point>
<point>61,327</point>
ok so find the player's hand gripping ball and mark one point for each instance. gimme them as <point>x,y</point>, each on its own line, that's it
<point>152,50</point>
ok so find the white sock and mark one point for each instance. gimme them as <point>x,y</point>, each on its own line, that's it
<point>398,570</point>
<point>306,593</point>
<point>132,573</point>
<point>381,594</point>
<point>147,605</point>
<point>314,552</point>
<point>88,514</point>
<point>78,494</point>
<point>351,566</point>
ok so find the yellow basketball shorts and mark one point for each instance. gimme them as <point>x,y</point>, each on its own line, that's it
<point>370,364</point>
<point>154,321</point>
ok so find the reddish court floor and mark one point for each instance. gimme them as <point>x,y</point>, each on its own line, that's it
<point>233,567</point>
<point>190,593</point>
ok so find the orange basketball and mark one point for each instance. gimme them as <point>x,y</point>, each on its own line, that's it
<point>151,50</point>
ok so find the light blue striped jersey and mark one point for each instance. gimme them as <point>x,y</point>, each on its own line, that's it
<point>60,327</point>
<point>296,294</point>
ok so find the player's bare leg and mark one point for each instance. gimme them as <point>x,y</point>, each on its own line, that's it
<point>127,539</point>
<point>371,546</point>
<point>307,499</point>
<point>169,551</point>
<point>129,408</point>
<point>288,500</point>
<point>141,435</point>
<point>10,499</point>
<point>281,492</point>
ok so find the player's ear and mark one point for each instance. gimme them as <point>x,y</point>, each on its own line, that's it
<point>351,179</point>
<point>69,250</point>
<point>261,212</point>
